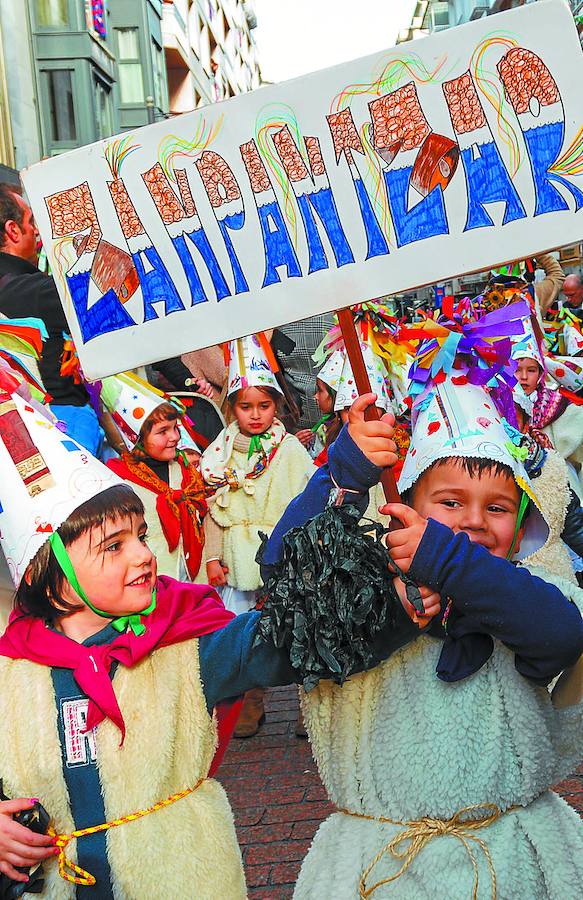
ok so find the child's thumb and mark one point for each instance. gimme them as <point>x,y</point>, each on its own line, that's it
<point>400,511</point>
<point>360,406</point>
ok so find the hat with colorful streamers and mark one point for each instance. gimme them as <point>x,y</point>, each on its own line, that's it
<point>251,363</point>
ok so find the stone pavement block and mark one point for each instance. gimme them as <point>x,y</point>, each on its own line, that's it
<point>257,875</point>
<point>276,852</point>
<point>256,834</point>
<point>285,873</point>
<point>281,892</point>
<point>305,829</point>
<point>295,812</point>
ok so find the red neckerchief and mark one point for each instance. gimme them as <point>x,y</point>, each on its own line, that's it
<point>180,511</point>
<point>183,611</point>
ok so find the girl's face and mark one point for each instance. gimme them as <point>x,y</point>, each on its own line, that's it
<point>254,410</point>
<point>323,398</point>
<point>115,567</point>
<point>162,441</point>
<point>528,374</point>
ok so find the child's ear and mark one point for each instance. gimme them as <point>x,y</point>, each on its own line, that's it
<point>519,536</point>
<point>28,576</point>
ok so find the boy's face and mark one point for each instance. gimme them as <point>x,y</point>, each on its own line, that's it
<point>114,566</point>
<point>484,508</point>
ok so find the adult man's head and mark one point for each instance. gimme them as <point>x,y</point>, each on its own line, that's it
<point>573,291</point>
<point>18,233</point>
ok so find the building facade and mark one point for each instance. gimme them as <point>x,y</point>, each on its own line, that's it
<point>210,51</point>
<point>76,71</point>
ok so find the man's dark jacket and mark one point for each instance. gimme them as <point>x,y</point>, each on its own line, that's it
<point>27,292</point>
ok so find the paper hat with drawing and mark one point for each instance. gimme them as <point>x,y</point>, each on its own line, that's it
<point>45,476</point>
<point>457,379</point>
<point>130,400</point>
<point>251,363</point>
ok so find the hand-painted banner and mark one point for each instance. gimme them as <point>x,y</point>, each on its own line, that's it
<point>436,158</point>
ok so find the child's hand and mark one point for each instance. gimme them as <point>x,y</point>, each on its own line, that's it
<point>374,438</point>
<point>204,387</point>
<point>431,603</point>
<point>19,846</point>
<point>216,573</point>
<point>403,544</point>
<point>305,436</point>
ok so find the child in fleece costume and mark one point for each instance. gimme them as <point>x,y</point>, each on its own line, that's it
<point>254,468</point>
<point>160,462</point>
<point>113,683</point>
<point>443,782</point>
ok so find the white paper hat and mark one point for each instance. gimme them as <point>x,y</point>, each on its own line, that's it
<point>526,346</point>
<point>572,339</point>
<point>130,400</point>
<point>249,366</point>
<point>523,400</point>
<point>44,475</point>
<point>567,371</point>
<point>331,371</point>
<point>461,420</point>
<point>343,378</point>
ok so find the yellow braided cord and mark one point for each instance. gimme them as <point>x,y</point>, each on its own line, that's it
<point>81,876</point>
<point>406,845</point>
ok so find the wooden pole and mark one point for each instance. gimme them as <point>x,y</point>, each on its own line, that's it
<point>355,356</point>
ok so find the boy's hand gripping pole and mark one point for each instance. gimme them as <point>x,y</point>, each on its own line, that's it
<point>355,356</point>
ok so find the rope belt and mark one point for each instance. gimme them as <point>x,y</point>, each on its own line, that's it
<point>415,836</point>
<point>81,876</point>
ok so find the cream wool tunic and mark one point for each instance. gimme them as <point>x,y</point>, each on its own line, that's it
<point>169,563</point>
<point>188,849</point>
<point>256,506</point>
<point>399,743</point>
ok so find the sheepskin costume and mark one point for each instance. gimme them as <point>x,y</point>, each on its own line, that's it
<point>398,743</point>
<point>168,747</point>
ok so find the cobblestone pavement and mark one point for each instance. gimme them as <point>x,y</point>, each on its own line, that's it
<point>278,799</point>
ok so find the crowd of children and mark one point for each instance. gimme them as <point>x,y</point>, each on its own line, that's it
<point>133,672</point>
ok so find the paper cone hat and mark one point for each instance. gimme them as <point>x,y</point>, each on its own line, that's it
<point>573,340</point>
<point>337,374</point>
<point>251,364</point>
<point>524,401</point>
<point>130,400</point>
<point>461,420</point>
<point>526,346</point>
<point>567,371</point>
<point>44,477</point>
<point>331,371</point>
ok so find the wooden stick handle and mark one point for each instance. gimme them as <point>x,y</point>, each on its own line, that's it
<point>355,356</point>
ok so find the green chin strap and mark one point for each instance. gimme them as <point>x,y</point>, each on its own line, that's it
<point>521,511</point>
<point>133,620</point>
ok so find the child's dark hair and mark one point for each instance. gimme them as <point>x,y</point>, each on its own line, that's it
<point>475,467</point>
<point>273,394</point>
<point>44,573</point>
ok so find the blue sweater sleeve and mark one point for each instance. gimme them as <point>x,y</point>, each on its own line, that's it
<point>231,665</point>
<point>349,468</point>
<point>493,597</point>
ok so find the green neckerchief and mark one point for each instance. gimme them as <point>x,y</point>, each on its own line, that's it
<point>519,518</point>
<point>325,418</point>
<point>121,623</point>
<point>255,443</point>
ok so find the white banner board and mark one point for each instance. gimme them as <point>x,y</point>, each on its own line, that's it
<point>439,157</point>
